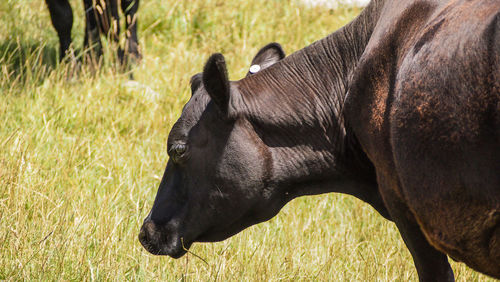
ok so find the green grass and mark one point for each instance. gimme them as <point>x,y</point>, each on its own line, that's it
<point>81,157</point>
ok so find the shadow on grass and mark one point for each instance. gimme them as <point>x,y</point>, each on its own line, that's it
<point>30,62</point>
<point>26,61</point>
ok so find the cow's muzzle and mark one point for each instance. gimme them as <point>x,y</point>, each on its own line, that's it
<point>158,241</point>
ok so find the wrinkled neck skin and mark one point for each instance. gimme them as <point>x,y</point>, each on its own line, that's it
<point>296,110</point>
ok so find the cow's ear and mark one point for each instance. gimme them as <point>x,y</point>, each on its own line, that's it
<point>216,81</point>
<point>266,57</point>
<point>195,82</point>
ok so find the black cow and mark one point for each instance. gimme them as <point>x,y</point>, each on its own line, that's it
<point>400,108</point>
<point>101,17</point>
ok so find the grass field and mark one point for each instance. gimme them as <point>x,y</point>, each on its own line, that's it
<point>81,158</point>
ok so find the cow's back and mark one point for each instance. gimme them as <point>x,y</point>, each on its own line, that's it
<point>431,122</point>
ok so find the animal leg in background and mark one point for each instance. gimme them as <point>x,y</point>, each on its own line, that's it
<point>129,8</point>
<point>94,15</point>
<point>114,33</point>
<point>61,16</point>
<point>108,20</point>
<point>431,264</point>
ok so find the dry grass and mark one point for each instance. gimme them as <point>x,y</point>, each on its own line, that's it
<point>81,158</point>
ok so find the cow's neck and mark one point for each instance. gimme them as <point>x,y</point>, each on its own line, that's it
<point>296,105</point>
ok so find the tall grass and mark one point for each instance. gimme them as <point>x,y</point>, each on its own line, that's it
<point>81,156</point>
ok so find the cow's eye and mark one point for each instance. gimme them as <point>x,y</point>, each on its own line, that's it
<point>177,151</point>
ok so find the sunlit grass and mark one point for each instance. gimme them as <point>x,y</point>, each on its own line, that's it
<point>81,156</point>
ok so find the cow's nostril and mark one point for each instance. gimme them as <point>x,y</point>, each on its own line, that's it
<point>149,227</point>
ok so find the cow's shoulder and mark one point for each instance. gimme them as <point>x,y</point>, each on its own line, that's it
<point>371,89</point>
<point>447,82</point>
<point>418,45</point>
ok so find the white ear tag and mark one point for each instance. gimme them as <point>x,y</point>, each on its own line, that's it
<point>254,68</point>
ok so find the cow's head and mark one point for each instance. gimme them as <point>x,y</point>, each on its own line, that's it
<point>215,183</point>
